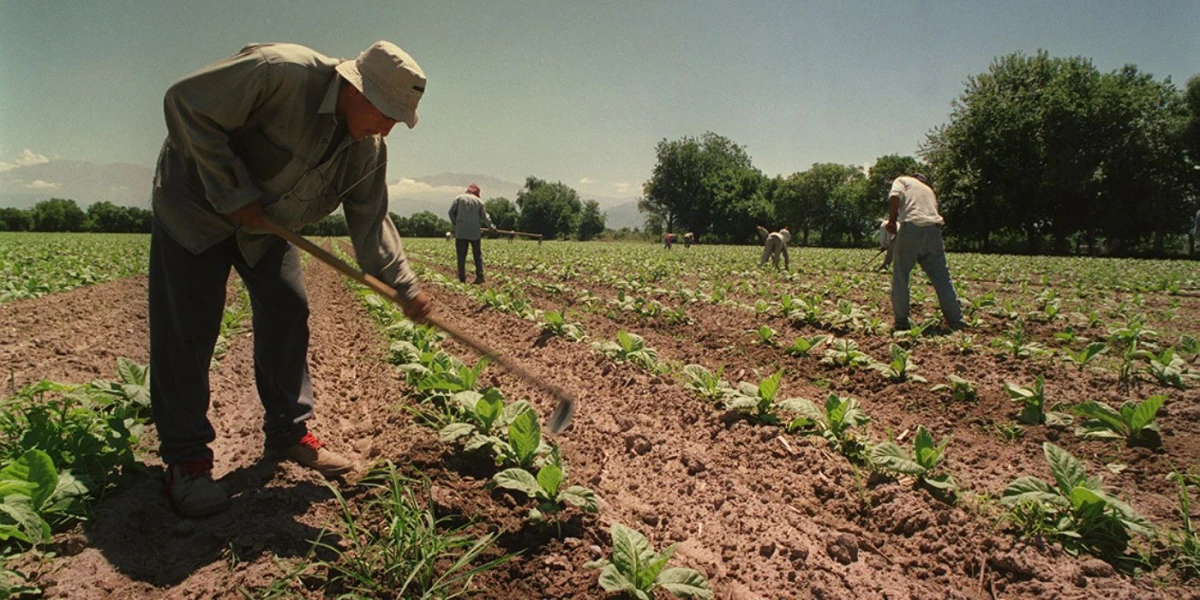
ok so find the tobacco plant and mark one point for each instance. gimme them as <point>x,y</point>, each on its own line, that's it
<point>1032,401</point>
<point>707,384</point>
<point>637,570</point>
<point>35,497</point>
<point>547,489</point>
<point>759,400</point>
<point>1185,543</point>
<point>835,422</point>
<point>555,323</point>
<point>1075,510</point>
<point>631,348</point>
<point>925,459</point>
<point>960,389</point>
<point>1085,355</point>
<point>845,353</point>
<point>900,368</point>
<point>804,345</point>
<point>1168,368</point>
<point>1134,423</point>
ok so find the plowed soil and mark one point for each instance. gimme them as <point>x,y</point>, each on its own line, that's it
<point>764,514</point>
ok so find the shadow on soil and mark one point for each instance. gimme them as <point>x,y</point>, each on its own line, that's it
<point>141,536</point>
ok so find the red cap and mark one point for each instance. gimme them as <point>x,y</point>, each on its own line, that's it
<point>473,189</point>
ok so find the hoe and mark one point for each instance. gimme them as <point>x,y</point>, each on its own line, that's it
<point>561,417</point>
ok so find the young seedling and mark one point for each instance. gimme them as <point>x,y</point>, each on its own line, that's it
<point>1085,355</point>
<point>547,489</point>
<point>759,400</point>
<point>631,348</point>
<point>845,353</point>
<point>764,335</point>
<point>1134,423</point>
<point>637,570</point>
<point>900,369</point>
<point>804,345</point>
<point>960,389</point>
<point>926,457</point>
<point>834,422</point>
<point>707,384</point>
<point>1075,510</point>
<point>1015,343</point>
<point>1186,542</point>
<point>555,323</point>
<point>1033,404</point>
<point>1168,368</point>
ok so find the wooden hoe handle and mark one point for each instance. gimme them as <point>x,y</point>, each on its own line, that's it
<point>565,410</point>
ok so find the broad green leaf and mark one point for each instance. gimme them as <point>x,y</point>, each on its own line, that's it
<point>489,407</point>
<point>768,387</point>
<point>525,435</point>
<point>1094,432</point>
<point>467,399</point>
<point>1031,488</point>
<point>629,548</point>
<point>685,583</point>
<point>1067,469</point>
<point>130,372</point>
<point>613,579</point>
<point>518,479</point>
<point>581,497</point>
<point>654,565</point>
<point>1144,414</point>
<point>1101,412</point>
<point>36,467</point>
<point>891,457</point>
<point>550,477</point>
<point>455,431</point>
<point>941,481</point>
<point>19,509</point>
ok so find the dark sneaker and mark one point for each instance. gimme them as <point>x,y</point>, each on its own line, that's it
<point>901,326</point>
<point>312,453</point>
<point>192,491</point>
<point>958,326</point>
<point>478,281</point>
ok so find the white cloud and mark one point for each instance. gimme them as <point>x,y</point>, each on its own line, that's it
<point>625,188</point>
<point>586,180</point>
<point>25,159</point>
<point>41,185</point>
<point>412,188</point>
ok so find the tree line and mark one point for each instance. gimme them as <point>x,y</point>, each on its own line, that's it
<point>554,210</point>
<point>1041,154</point>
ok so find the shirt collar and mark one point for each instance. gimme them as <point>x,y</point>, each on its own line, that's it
<point>329,104</point>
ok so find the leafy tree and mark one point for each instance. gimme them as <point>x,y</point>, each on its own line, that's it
<point>57,214</point>
<point>885,170</point>
<point>739,203</point>
<point>591,222</point>
<point>683,188</point>
<point>331,226</point>
<point>814,200</point>
<point>551,209</point>
<point>108,217</point>
<point>503,212</point>
<point>427,224</point>
<point>15,219</point>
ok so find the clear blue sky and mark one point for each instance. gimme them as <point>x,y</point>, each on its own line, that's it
<point>578,92</point>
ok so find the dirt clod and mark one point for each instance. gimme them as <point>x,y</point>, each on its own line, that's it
<point>843,549</point>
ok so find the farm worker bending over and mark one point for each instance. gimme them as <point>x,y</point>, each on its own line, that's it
<point>281,131</point>
<point>774,244</point>
<point>912,203</point>
<point>466,214</point>
<point>886,240</point>
<point>688,240</point>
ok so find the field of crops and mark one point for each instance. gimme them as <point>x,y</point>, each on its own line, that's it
<point>743,432</point>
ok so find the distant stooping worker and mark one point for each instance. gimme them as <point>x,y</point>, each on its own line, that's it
<point>688,240</point>
<point>668,239</point>
<point>913,207</point>
<point>468,215</point>
<point>774,244</point>
<point>449,236</point>
<point>886,243</point>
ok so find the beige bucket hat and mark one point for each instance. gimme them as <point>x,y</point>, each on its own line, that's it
<point>390,79</point>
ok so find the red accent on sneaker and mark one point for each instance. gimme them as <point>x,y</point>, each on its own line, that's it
<point>309,440</point>
<point>189,469</point>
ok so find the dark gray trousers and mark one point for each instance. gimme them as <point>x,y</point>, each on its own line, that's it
<point>187,300</point>
<point>460,249</point>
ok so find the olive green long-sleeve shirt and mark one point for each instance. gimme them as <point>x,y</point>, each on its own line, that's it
<point>255,127</point>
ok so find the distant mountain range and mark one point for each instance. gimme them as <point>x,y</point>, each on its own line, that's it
<point>23,185</point>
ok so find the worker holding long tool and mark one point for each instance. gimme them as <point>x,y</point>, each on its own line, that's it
<point>774,244</point>
<point>913,218</point>
<point>468,215</point>
<point>276,135</point>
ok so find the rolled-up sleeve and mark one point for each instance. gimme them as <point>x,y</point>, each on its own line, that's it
<point>203,108</point>
<point>376,241</point>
